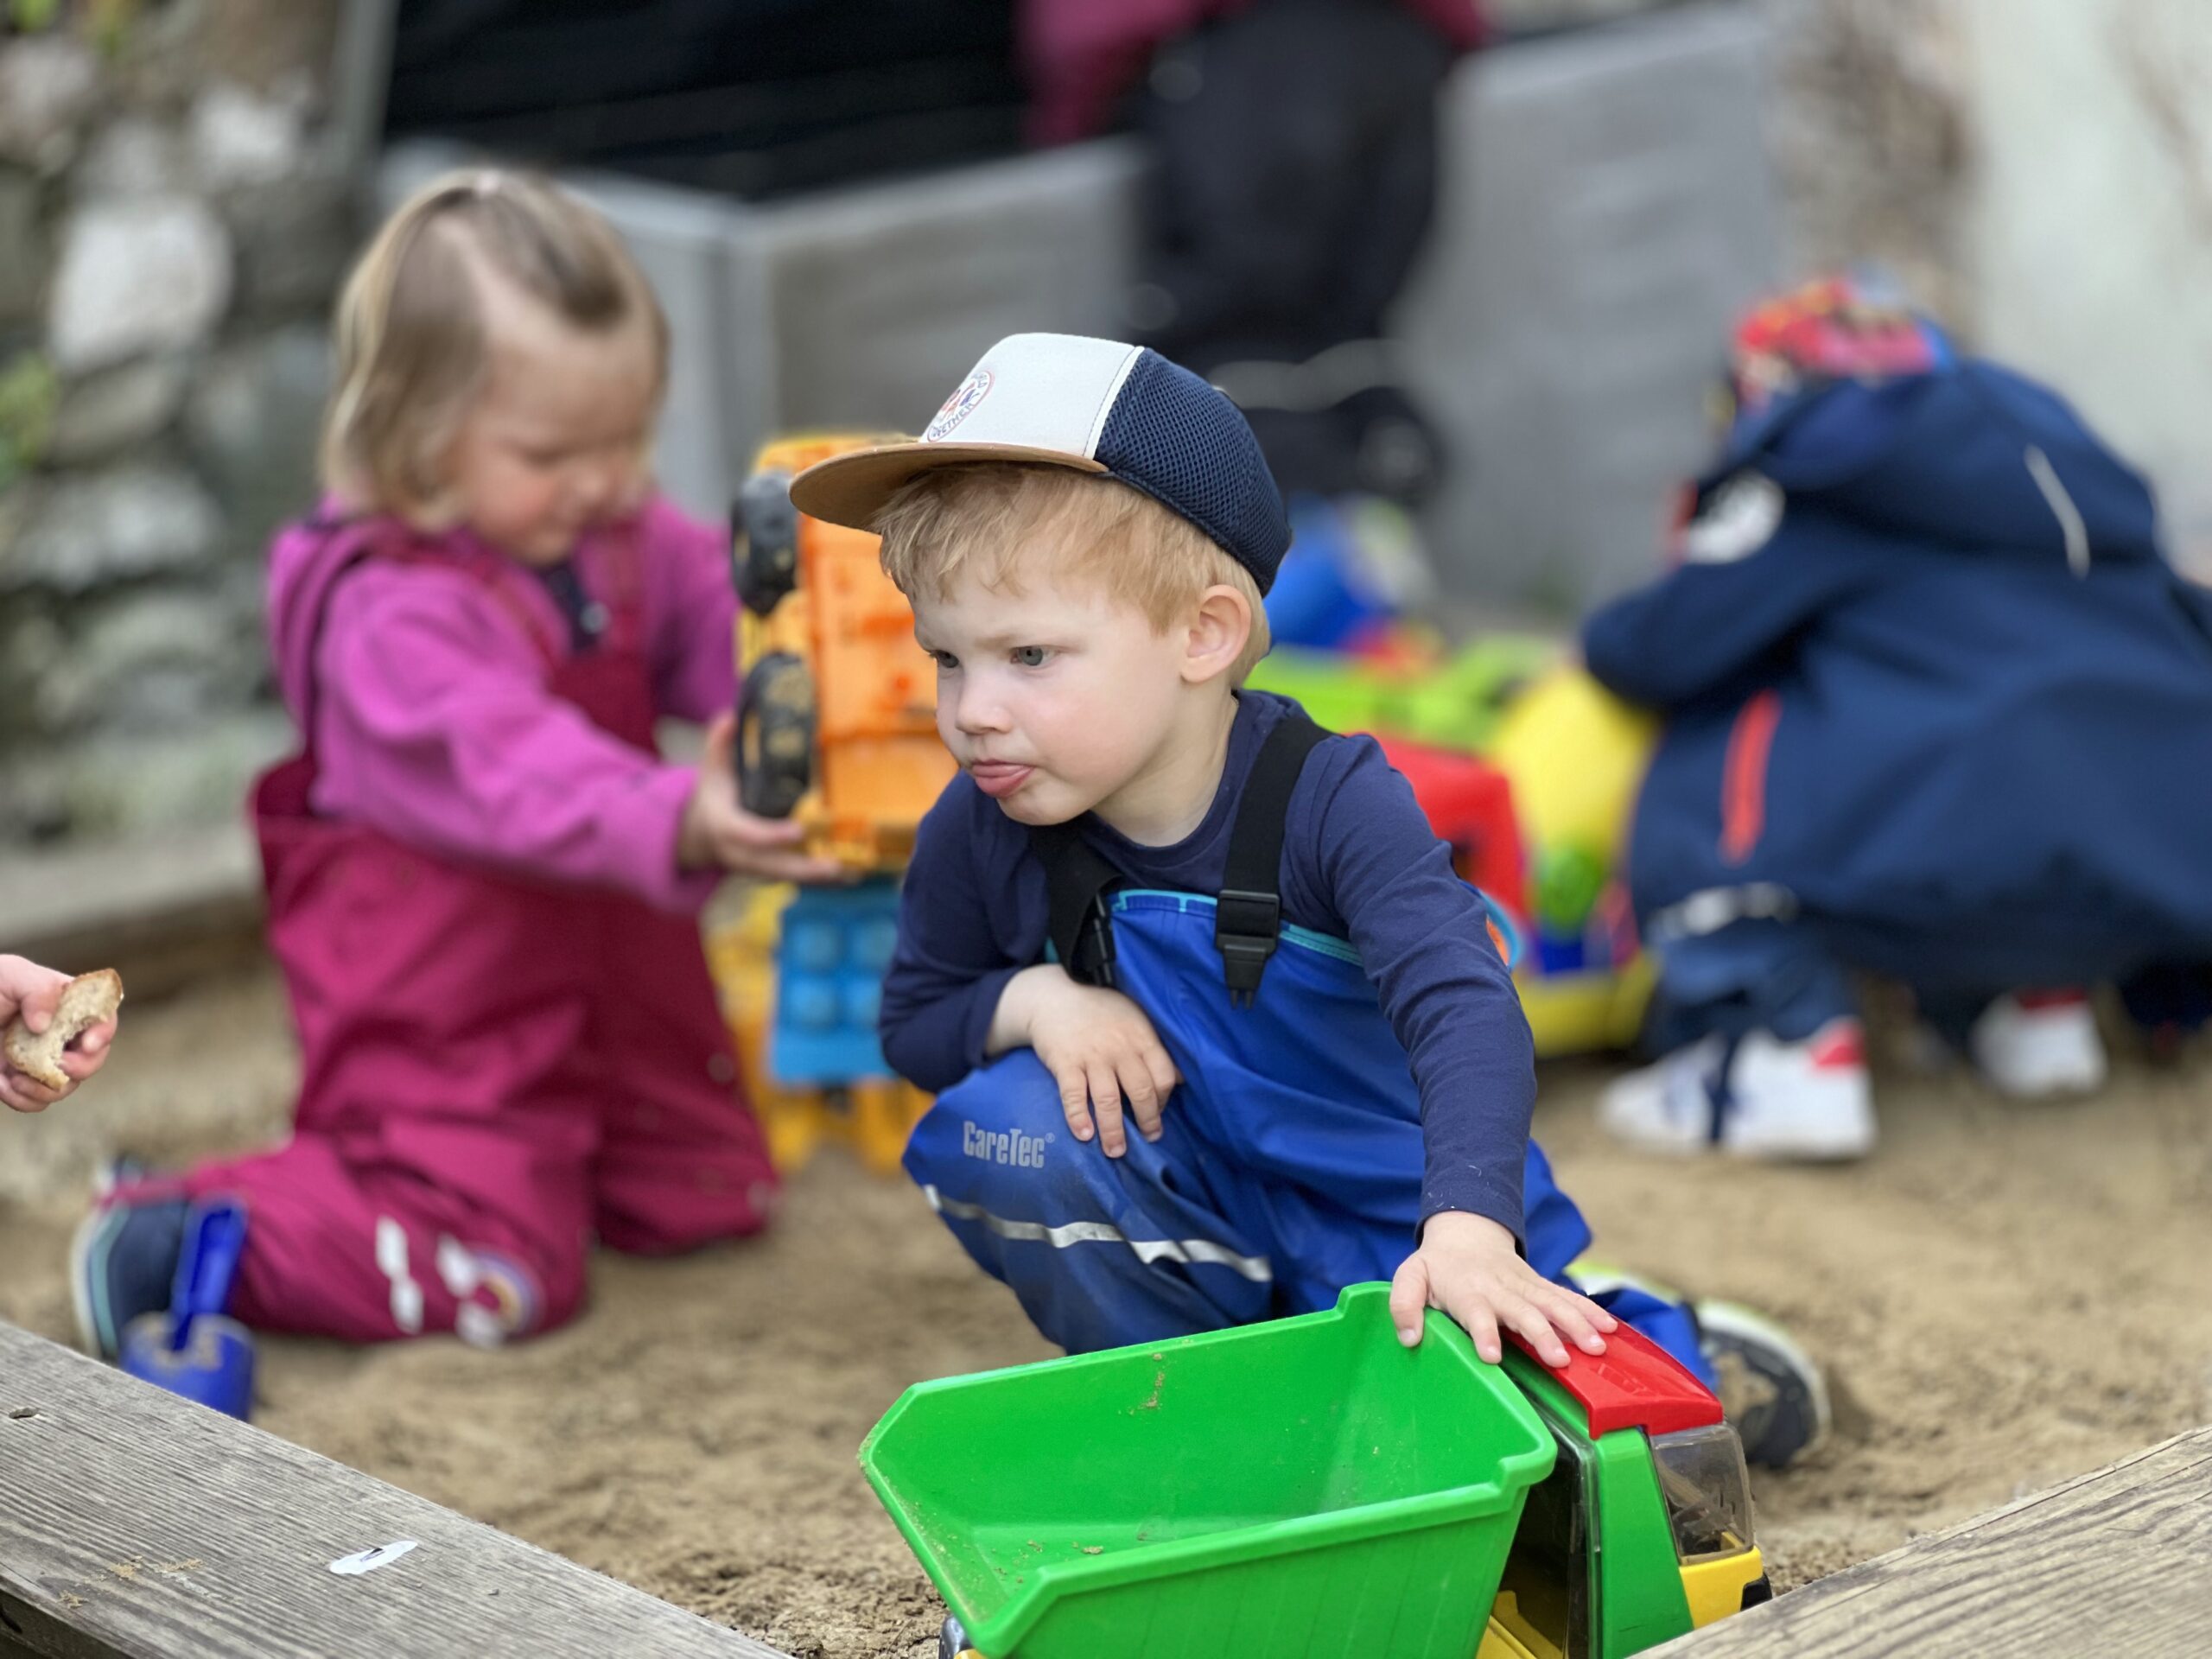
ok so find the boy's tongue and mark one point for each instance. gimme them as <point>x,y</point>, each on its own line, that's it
<point>999,779</point>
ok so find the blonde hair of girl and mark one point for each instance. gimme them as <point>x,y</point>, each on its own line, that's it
<point>414,341</point>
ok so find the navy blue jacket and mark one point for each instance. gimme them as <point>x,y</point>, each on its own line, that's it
<point>1926,670</point>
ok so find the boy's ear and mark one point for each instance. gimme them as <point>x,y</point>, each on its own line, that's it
<point>1218,630</point>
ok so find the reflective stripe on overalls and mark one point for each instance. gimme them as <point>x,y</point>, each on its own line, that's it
<point>1290,1160</point>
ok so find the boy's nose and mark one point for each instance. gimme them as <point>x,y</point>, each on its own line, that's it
<point>978,710</point>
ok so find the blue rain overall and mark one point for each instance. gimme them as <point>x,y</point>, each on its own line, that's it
<point>1290,1160</point>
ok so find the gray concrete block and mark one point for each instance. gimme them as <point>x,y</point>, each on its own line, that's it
<point>879,300</point>
<point>1605,209</point>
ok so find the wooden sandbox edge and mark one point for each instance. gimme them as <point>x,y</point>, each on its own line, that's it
<point>133,1523</point>
<point>2118,1560</point>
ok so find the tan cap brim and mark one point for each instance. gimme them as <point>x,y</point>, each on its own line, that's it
<point>850,489</point>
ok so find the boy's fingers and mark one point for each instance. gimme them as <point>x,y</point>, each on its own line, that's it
<point>1592,1321</point>
<point>1164,1076</point>
<point>1409,1299</point>
<point>1074,1106</point>
<point>1568,1319</point>
<point>1144,1104</point>
<point>1530,1321</point>
<point>1483,1328</point>
<point>1106,1104</point>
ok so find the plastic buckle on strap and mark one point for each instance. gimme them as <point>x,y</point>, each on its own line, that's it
<point>1245,927</point>
<point>1094,947</point>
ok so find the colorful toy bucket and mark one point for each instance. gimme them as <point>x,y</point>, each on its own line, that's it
<point>1303,1487</point>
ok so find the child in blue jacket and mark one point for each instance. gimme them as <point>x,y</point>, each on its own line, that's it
<point>1936,709</point>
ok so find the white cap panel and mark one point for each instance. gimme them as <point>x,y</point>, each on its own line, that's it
<point>1044,391</point>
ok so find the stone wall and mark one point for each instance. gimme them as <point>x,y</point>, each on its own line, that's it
<point>175,211</point>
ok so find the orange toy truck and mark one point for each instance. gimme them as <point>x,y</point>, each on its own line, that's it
<point>837,721</point>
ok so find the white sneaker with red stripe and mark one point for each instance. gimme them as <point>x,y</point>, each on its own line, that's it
<point>2034,1044</point>
<point>1811,1100</point>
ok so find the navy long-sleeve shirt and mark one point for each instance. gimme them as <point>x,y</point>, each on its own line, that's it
<point>1359,861</point>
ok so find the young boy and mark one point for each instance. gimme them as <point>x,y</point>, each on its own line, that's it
<point>1217,1029</point>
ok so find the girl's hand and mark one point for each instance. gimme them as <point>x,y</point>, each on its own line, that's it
<point>1466,1266</point>
<point>717,833</point>
<point>35,993</point>
<point>1099,1046</point>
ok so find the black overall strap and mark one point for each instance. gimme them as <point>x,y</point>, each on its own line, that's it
<point>1248,914</point>
<point>1247,911</point>
<point>1078,878</point>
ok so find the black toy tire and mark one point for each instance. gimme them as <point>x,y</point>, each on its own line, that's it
<point>775,736</point>
<point>763,541</point>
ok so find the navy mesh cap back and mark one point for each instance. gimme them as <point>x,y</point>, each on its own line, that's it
<point>1185,445</point>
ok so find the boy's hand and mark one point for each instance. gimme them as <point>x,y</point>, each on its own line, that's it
<point>1099,1047</point>
<point>35,993</point>
<point>1468,1267</point>
<point>719,834</point>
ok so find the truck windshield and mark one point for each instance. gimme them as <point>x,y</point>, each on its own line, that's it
<point>1547,1570</point>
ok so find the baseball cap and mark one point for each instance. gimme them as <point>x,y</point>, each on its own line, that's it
<point>1098,406</point>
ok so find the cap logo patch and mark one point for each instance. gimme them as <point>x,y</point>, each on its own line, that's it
<point>959,406</point>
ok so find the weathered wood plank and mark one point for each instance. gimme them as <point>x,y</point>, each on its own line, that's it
<point>2119,1562</point>
<point>135,1524</point>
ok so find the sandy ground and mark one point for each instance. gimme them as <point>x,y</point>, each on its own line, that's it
<point>2006,1296</point>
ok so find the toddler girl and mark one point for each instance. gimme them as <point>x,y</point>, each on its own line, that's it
<point>482,879</point>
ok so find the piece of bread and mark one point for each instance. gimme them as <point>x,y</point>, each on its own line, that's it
<point>86,1001</point>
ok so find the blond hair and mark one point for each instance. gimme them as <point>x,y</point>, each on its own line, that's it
<point>990,516</point>
<point>411,333</point>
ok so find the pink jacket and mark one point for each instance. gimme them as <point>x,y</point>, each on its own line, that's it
<point>433,723</point>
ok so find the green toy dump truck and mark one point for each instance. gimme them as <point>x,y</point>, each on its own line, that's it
<point>1309,1487</point>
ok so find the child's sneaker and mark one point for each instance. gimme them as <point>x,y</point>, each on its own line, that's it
<point>1806,1100</point>
<point>1770,1387</point>
<point>2033,1044</point>
<point>123,1264</point>
<point>1667,1107</point>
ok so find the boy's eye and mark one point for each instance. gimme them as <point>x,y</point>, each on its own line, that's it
<point>945,661</point>
<point>1031,655</point>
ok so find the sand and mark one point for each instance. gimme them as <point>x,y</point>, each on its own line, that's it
<point>2006,1296</point>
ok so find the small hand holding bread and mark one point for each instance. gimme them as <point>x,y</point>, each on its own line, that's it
<point>89,1001</point>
